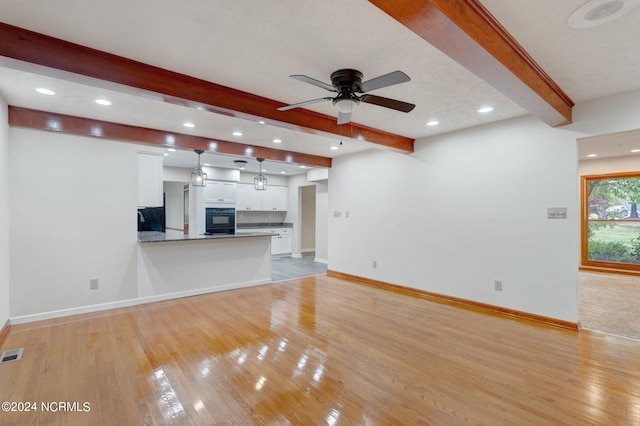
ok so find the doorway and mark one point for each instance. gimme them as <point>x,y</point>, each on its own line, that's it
<point>607,302</point>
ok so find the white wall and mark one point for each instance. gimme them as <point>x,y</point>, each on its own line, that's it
<point>630,163</point>
<point>4,213</point>
<point>73,204</point>
<point>322,221</point>
<point>465,209</point>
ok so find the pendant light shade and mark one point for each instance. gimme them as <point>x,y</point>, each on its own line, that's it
<point>198,177</point>
<point>260,182</point>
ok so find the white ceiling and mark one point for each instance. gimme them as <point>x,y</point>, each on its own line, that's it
<point>254,46</point>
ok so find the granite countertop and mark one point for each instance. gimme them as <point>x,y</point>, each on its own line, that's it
<point>264,225</point>
<point>157,237</point>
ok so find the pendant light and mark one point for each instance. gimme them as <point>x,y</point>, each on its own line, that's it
<point>198,177</point>
<point>260,182</point>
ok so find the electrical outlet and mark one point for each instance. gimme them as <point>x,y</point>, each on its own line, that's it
<point>93,284</point>
<point>374,264</point>
<point>346,213</point>
<point>497,285</point>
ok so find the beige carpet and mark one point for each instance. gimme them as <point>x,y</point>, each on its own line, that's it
<point>609,303</point>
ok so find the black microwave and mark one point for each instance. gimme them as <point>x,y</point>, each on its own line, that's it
<point>220,220</point>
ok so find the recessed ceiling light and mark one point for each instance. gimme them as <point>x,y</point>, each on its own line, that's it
<point>188,124</point>
<point>283,172</point>
<point>635,150</point>
<point>103,102</point>
<point>206,164</point>
<point>303,166</point>
<point>237,133</point>
<point>592,155</point>
<point>432,123</point>
<point>171,149</point>
<point>44,91</point>
<point>334,148</point>
<point>277,140</point>
<point>166,155</point>
<point>261,122</point>
<point>485,109</point>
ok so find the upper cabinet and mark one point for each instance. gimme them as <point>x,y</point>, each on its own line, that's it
<point>248,197</point>
<point>219,192</point>
<point>274,198</point>
<point>149,180</point>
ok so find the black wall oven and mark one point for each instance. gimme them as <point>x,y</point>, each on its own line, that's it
<point>220,220</point>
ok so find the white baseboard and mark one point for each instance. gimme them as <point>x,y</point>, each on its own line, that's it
<point>296,255</point>
<point>130,302</point>
<point>319,260</point>
<point>307,250</point>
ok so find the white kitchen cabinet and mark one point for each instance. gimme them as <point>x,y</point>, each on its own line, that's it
<point>284,244</point>
<point>150,180</point>
<point>281,241</point>
<point>248,197</point>
<point>220,192</point>
<point>274,198</point>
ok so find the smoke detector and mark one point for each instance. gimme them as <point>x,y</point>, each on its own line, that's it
<point>598,12</point>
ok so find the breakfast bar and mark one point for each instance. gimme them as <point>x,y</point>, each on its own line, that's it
<point>177,266</point>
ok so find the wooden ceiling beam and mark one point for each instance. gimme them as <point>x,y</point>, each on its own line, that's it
<point>45,51</point>
<point>42,120</point>
<point>466,32</point>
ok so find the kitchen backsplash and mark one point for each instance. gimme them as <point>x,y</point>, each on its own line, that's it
<point>259,217</point>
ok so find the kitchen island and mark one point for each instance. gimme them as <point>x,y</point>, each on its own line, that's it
<point>176,265</point>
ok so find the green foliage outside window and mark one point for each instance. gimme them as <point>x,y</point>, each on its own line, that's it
<point>613,226</point>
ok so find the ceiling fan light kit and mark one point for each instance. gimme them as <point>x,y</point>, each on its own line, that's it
<point>345,105</point>
<point>347,83</point>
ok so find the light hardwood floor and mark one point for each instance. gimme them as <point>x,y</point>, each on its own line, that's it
<point>314,351</point>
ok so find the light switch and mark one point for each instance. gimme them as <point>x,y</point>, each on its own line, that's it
<point>556,213</point>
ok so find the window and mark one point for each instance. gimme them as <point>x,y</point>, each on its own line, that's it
<point>610,223</point>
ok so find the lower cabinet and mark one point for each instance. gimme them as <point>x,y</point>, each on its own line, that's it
<point>282,243</point>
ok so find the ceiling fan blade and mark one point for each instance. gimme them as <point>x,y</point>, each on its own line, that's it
<point>315,82</point>
<point>344,117</point>
<point>387,103</point>
<point>386,80</point>
<point>301,104</point>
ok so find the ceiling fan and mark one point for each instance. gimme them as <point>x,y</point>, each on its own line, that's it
<point>347,83</point>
